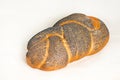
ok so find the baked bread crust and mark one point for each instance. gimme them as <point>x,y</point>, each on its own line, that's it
<point>70,39</point>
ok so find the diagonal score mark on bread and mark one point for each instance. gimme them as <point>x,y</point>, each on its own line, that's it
<point>76,22</point>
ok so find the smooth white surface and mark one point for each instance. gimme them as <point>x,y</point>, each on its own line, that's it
<point>21,19</point>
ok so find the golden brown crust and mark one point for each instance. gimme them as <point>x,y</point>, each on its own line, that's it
<point>58,55</point>
<point>94,52</point>
<point>91,48</point>
<point>76,22</point>
<point>95,22</point>
<point>100,39</point>
<point>29,62</point>
<point>91,36</point>
<point>64,43</point>
<point>35,56</point>
<point>67,22</point>
<point>46,54</point>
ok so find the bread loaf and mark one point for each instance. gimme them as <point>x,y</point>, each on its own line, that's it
<point>70,39</point>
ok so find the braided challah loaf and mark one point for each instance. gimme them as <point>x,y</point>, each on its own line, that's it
<point>70,39</point>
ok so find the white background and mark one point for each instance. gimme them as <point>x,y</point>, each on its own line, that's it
<point>22,19</point>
